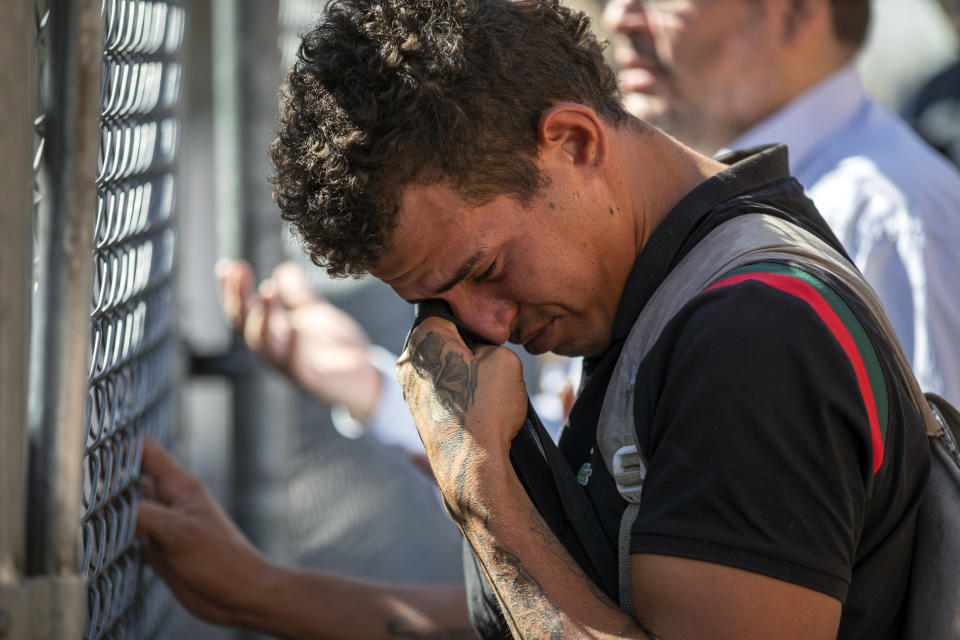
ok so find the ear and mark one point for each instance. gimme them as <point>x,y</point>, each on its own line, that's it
<point>572,134</point>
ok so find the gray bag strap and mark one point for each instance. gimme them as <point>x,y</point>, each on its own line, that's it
<point>933,602</point>
<point>746,239</point>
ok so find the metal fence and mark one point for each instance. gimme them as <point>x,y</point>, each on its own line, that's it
<point>131,371</point>
<point>93,185</point>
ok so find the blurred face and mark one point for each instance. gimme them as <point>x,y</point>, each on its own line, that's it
<point>545,276</point>
<point>702,70</point>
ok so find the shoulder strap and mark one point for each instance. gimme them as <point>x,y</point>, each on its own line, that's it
<point>746,239</point>
<point>933,603</point>
<point>532,441</point>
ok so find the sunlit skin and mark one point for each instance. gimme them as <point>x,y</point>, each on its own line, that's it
<point>547,275</point>
<point>705,71</point>
<point>528,283</point>
<point>558,269</point>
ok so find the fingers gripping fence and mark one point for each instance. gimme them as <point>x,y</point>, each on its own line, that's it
<point>131,377</point>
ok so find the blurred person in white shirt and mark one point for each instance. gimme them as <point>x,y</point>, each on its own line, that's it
<point>731,74</point>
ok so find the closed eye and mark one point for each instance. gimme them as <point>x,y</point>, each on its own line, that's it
<point>486,274</point>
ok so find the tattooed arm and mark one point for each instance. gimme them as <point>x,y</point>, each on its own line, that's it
<point>467,407</point>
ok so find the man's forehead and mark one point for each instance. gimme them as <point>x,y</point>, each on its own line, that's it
<point>431,256</point>
<point>440,239</point>
<point>436,213</point>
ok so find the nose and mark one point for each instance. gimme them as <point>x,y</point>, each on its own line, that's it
<point>489,315</point>
<point>628,17</point>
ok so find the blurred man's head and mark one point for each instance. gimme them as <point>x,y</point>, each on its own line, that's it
<point>952,9</point>
<point>707,70</point>
<point>390,94</point>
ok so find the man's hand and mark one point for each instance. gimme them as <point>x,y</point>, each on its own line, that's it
<point>467,405</point>
<point>206,561</point>
<point>319,346</point>
<point>217,574</point>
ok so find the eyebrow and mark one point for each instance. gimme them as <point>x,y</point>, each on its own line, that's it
<point>461,273</point>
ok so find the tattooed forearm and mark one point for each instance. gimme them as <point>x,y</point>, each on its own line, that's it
<point>529,611</point>
<point>402,627</point>
<point>440,385</point>
<point>452,388</point>
<point>539,527</point>
<point>534,614</point>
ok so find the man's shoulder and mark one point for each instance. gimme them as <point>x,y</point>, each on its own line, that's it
<point>881,166</point>
<point>759,310</point>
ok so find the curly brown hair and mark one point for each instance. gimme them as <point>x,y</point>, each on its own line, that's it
<point>391,93</point>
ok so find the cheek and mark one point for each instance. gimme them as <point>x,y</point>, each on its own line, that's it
<point>754,80</point>
<point>724,70</point>
<point>669,33</point>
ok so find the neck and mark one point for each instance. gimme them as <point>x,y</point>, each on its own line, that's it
<point>814,67</point>
<point>812,55</point>
<point>653,172</point>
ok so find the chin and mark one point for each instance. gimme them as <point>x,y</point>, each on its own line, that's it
<point>581,350</point>
<point>645,106</point>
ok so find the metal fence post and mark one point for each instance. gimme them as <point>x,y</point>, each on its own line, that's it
<point>49,599</point>
<point>71,150</point>
<point>97,197</point>
<point>246,106</point>
<point>20,107</point>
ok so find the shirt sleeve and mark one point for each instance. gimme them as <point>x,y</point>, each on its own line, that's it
<point>757,440</point>
<point>390,421</point>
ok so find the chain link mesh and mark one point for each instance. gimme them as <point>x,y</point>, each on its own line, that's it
<point>41,17</point>
<point>131,375</point>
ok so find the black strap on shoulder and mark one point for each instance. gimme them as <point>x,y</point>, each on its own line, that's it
<point>577,509</point>
<point>548,480</point>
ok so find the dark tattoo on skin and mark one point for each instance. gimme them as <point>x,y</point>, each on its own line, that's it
<point>529,610</point>
<point>534,613</point>
<point>454,381</point>
<point>550,542</point>
<point>400,627</point>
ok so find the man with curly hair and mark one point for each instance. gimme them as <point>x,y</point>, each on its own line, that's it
<point>477,151</point>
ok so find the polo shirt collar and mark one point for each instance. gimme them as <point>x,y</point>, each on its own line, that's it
<point>749,169</point>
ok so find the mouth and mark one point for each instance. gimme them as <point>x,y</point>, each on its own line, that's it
<point>636,80</point>
<point>541,341</point>
<point>639,66</point>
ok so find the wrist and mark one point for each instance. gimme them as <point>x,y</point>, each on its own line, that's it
<point>379,372</point>
<point>366,397</point>
<point>485,480</point>
<point>261,605</point>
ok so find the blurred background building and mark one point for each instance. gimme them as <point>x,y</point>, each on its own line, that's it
<point>134,140</point>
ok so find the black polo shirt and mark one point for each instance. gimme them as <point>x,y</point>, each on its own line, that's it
<point>762,451</point>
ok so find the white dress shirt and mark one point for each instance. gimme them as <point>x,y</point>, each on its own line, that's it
<point>893,202</point>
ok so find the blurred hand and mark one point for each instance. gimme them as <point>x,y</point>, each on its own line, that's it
<point>193,546</point>
<point>319,346</point>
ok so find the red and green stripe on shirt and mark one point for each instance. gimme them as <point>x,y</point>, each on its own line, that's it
<point>844,326</point>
